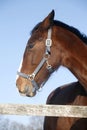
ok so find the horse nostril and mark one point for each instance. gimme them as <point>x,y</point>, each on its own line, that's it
<point>17,85</point>
<point>20,91</point>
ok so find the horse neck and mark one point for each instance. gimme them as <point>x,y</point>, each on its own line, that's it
<point>74,54</point>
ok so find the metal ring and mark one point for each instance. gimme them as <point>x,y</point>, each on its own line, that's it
<point>31,77</point>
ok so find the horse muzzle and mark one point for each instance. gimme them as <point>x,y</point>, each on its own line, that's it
<point>26,89</point>
<point>30,92</point>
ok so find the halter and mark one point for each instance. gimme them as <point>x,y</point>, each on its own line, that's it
<point>31,77</point>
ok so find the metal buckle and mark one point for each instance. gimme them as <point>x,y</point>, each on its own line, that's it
<point>48,42</point>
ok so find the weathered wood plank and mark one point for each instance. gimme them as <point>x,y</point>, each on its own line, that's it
<point>44,110</point>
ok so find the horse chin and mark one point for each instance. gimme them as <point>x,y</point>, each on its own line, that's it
<point>31,94</point>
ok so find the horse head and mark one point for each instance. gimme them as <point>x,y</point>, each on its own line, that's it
<point>38,59</point>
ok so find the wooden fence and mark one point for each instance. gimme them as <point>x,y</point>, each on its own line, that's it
<point>44,110</point>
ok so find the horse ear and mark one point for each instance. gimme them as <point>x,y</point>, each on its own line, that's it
<point>48,21</point>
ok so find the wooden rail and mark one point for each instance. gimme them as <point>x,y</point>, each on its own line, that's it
<point>44,110</point>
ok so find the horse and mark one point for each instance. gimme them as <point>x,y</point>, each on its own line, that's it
<point>70,94</point>
<point>52,43</point>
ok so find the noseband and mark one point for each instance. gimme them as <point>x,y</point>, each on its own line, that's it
<point>31,77</point>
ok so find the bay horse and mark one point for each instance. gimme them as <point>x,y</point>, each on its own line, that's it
<point>70,94</point>
<point>52,44</point>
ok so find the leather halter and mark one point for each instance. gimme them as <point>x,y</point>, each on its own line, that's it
<point>31,77</point>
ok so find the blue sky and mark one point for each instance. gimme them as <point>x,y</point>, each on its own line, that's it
<point>17,18</point>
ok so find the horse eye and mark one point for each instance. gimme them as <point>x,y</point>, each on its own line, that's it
<point>31,45</point>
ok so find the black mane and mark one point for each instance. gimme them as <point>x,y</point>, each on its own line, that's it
<point>82,36</point>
